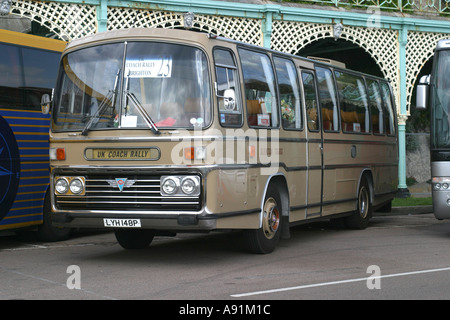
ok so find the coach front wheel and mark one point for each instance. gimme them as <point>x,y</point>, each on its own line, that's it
<point>47,231</point>
<point>134,239</point>
<point>360,218</point>
<point>265,239</point>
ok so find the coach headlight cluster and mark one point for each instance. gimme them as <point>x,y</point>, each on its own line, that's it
<point>180,186</point>
<point>441,183</point>
<point>69,185</point>
<point>61,186</point>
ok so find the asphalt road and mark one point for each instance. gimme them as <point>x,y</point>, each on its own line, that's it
<point>396,257</point>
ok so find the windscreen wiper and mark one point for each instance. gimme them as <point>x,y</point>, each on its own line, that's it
<point>144,113</point>
<point>139,106</point>
<point>111,97</point>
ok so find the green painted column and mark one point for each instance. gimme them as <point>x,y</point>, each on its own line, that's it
<point>403,191</point>
<point>102,16</point>
<point>267,29</point>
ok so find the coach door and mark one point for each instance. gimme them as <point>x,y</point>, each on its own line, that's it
<point>315,146</point>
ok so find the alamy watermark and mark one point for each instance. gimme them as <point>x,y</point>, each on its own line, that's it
<point>374,280</point>
<point>374,20</point>
<point>229,147</point>
<point>74,280</point>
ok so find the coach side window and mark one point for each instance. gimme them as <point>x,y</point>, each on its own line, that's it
<point>259,82</point>
<point>376,106</point>
<point>11,79</point>
<point>288,88</point>
<point>388,108</point>
<point>353,102</point>
<point>311,105</point>
<point>227,88</point>
<point>328,100</point>
<point>26,74</point>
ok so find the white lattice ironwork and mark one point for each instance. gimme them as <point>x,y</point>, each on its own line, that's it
<point>441,7</point>
<point>70,21</point>
<point>67,21</point>
<point>246,30</point>
<point>121,18</point>
<point>419,49</point>
<point>381,44</point>
<point>288,36</point>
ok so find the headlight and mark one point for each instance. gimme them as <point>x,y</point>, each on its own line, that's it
<point>179,186</point>
<point>61,186</point>
<point>70,186</point>
<point>188,186</point>
<point>170,185</point>
<point>76,186</point>
<point>440,183</point>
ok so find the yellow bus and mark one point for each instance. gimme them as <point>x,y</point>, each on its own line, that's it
<point>158,131</point>
<point>28,68</point>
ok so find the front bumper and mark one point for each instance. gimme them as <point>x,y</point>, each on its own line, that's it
<point>441,204</point>
<point>155,221</point>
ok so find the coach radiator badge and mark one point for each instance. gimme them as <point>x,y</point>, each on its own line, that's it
<point>121,183</point>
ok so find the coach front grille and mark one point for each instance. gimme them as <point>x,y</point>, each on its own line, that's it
<point>140,192</point>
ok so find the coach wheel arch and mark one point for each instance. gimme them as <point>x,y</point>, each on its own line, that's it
<point>279,183</point>
<point>274,219</point>
<point>367,175</point>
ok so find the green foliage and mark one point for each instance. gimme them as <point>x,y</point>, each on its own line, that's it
<point>411,202</point>
<point>410,181</point>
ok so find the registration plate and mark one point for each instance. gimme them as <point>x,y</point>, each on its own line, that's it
<point>122,223</point>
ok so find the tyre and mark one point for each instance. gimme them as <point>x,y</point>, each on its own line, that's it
<point>360,218</point>
<point>265,239</point>
<point>387,207</point>
<point>134,239</point>
<point>47,232</point>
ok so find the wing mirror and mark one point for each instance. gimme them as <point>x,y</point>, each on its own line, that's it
<point>45,103</point>
<point>229,98</point>
<point>422,92</point>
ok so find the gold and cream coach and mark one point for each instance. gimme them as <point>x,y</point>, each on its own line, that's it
<point>163,131</point>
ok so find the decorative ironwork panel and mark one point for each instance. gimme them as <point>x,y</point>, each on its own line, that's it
<point>410,6</point>
<point>291,37</point>
<point>74,20</point>
<point>246,30</point>
<point>67,21</point>
<point>419,49</point>
<point>383,47</point>
<point>381,44</point>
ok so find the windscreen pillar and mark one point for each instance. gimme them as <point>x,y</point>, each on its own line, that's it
<point>402,191</point>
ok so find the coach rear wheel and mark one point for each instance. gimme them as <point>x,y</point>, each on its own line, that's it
<point>360,219</point>
<point>134,239</point>
<point>265,239</point>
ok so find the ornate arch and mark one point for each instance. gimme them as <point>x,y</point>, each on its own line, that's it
<point>67,21</point>
<point>70,21</point>
<point>242,29</point>
<point>381,44</point>
<point>419,49</point>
